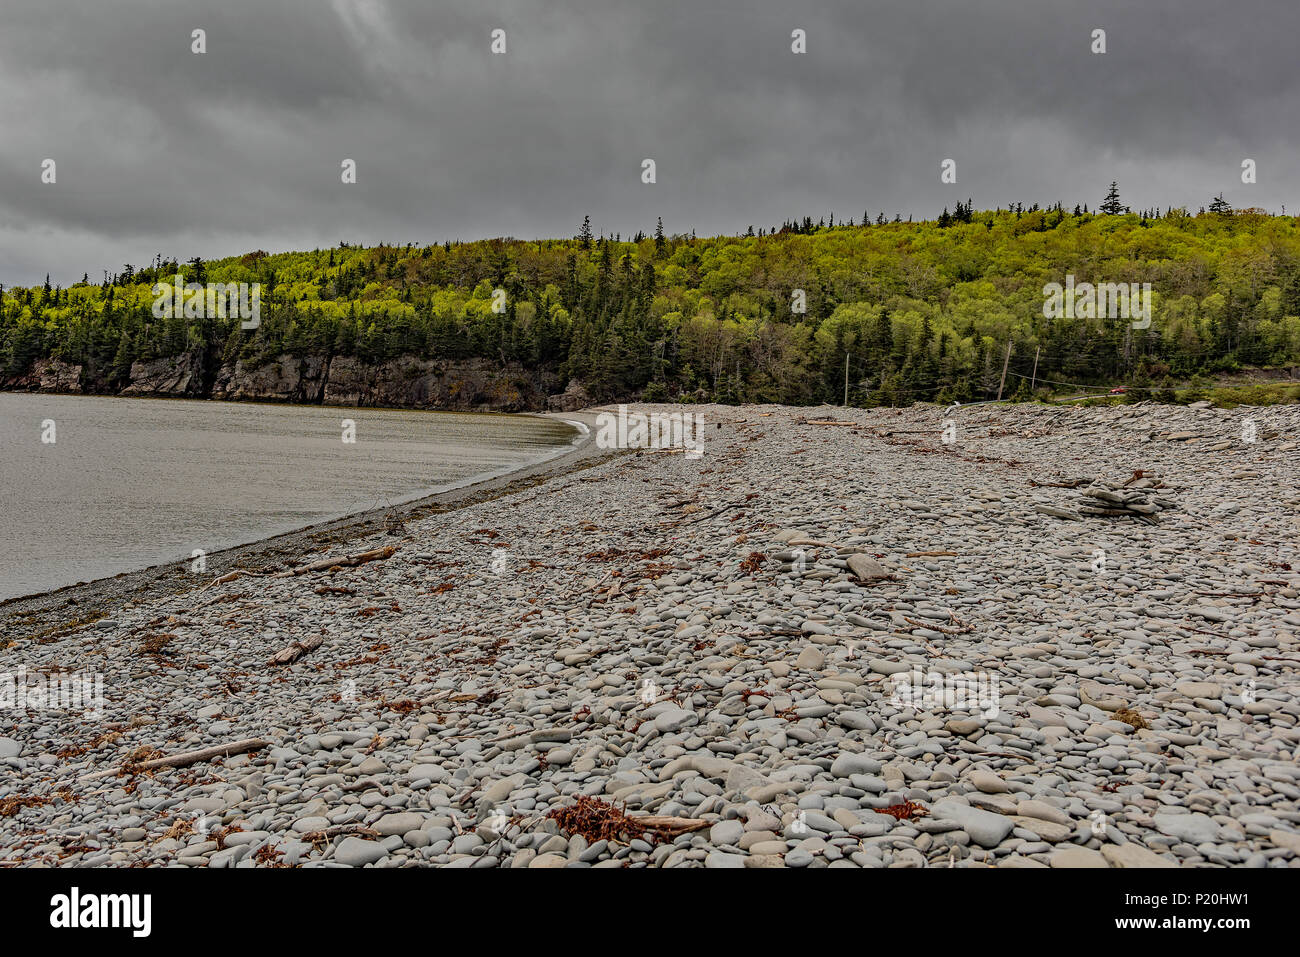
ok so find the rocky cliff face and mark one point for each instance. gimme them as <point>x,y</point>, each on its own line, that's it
<point>428,384</point>
<point>175,376</point>
<point>287,379</point>
<point>407,382</point>
<point>57,376</point>
<point>46,375</point>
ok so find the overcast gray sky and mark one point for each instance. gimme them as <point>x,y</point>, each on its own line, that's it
<point>160,150</point>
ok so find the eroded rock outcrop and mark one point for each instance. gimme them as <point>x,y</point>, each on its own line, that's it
<point>409,382</point>
<point>180,375</point>
<point>405,382</point>
<point>285,379</point>
<point>573,398</point>
<point>45,375</point>
<point>54,375</point>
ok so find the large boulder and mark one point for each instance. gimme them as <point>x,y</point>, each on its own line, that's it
<point>573,398</point>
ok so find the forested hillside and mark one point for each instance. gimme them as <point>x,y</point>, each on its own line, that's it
<point>922,310</point>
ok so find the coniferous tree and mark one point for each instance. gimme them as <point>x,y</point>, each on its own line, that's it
<point>1220,206</point>
<point>1111,206</point>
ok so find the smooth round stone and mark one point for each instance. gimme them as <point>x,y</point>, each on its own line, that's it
<point>726,833</point>
<point>355,852</point>
<point>721,859</point>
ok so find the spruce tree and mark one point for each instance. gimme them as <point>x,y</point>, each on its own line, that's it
<point>1112,206</point>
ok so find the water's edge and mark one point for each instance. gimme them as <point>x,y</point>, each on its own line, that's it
<point>26,615</point>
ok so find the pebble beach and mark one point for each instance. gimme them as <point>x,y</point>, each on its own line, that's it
<point>994,636</point>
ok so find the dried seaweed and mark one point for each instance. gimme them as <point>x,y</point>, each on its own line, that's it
<point>906,811</point>
<point>594,819</point>
<point>1132,718</point>
<point>155,644</point>
<point>12,805</point>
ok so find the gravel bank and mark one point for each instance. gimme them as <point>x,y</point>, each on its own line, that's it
<point>1065,638</point>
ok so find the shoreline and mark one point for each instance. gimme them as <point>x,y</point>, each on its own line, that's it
<point>1261,378</point>
<point>1011,637</point>
<point>84,601</point>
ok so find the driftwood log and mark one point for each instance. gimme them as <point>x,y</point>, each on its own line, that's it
<point>315,837</point>
<point>666,824</point>
<point>186,758</point>
<point>287,656</point>
<point>232,576</point>
<point>346,561</point>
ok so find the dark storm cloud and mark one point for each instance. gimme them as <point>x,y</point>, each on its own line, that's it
<point>163,151</point>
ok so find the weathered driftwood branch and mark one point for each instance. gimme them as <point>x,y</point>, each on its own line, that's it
<point>696,519</point>
<point>935,626</point>
<point>1064,483</point>
<point>825,422</point>
<point>185,758</point>
<point>317,837</point>
<point>237,573</point>
<point>668,824</point>
<point>287,656</point>
<point>346,561</point>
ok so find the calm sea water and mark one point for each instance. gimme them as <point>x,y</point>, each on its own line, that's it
<point>130,483</point>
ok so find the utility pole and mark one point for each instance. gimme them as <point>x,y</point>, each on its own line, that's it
<point>1005,359</point>
<point>1034,381</point>
<point>846,380</point>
